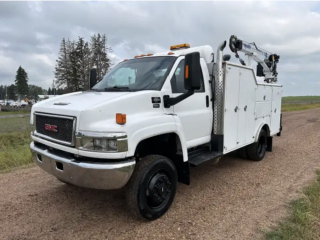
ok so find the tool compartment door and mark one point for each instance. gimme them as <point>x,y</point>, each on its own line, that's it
<point>246,119</point>
<point>276,109</point>
<point>231,107</point>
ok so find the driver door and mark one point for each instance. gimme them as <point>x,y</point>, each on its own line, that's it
<point>195,112</point>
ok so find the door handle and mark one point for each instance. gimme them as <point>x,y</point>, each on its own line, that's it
<point>207,101</point>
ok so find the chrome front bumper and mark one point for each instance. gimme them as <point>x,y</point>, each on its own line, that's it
<point>83,174</point>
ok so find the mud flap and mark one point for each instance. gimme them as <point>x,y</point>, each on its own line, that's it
<point>279,133</point>
<point>269,144</point>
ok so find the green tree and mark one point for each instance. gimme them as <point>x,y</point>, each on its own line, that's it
<point>34,91</point>
<point>76,58</point>
<point>62,64</point>
<point>83,55</point>
<point>99,55</point>
<point>2,92</point>
<point>75,68</point>
<point>11,91</point>
<point>21,83</point>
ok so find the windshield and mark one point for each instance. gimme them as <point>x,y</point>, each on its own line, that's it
<point>137,74</point>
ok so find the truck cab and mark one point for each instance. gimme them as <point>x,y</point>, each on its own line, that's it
<point>152,117</point>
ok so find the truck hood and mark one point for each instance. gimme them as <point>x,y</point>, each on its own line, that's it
<point>96,111</point>
<point>76,102</point>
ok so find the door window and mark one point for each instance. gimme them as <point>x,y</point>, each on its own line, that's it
<point>177,80</point>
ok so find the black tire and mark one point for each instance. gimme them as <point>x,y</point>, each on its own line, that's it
<point>152,176</point>
<point>257,150</point>
<point>242,153</point>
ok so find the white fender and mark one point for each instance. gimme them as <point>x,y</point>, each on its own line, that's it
<point>259,129</point>
<point>155,130</point>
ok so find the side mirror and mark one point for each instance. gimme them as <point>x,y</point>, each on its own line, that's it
<point>192,71</point>
<point>93,77</point>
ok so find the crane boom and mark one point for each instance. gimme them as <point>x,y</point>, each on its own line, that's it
<point>267,62</point>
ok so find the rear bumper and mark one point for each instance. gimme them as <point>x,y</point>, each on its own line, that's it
<point>83,174</point>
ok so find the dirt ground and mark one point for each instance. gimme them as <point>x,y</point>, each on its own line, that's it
<point>235,199</point>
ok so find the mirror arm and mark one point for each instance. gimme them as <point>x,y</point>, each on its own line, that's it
<point>168,101</point>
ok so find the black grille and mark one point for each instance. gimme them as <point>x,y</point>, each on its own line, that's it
<point>64,127</point>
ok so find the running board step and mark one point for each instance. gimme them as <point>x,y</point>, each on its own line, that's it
<point>204,157</point>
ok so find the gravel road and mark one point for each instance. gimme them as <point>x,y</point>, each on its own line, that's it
<point>232,200</point>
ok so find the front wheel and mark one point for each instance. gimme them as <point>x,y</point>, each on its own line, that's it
<point>152,187</point>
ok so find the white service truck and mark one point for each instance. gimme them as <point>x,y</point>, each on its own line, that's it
<point>152,117</point>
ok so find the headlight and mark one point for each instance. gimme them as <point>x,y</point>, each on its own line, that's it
<point>102,142</point>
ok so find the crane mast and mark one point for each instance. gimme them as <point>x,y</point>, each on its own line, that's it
<point>267,62</point>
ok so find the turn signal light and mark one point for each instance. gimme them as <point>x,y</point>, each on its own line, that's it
<point>187,72</point>
<point>149,54</point>
<point>121,118</point>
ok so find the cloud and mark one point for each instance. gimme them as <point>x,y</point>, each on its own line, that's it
<point>30,33</point>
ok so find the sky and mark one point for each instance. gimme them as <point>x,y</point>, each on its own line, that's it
<point>31,32</point>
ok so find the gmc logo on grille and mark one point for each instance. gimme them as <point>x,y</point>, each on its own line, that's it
<point>52,128</point>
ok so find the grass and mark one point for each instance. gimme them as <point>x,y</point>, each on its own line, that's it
<point>304,221</point>
<point>301,99</point>
<point>2,113</point>
<point>15,124</point>
<point>299,107</point>
<point>14,143</point>
<point>14,150</point>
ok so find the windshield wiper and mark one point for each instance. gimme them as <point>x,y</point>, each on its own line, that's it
<point>116,88</point>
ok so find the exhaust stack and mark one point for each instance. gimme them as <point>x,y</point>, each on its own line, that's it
<point>219,90</point>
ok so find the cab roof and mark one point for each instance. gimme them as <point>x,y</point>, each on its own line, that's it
<point>206,52</point>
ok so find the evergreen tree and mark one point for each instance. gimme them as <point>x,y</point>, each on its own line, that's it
<point>62,64</point>
<point>75,60</point>
<point>99,55</point>
<point>34,91</point>
<point>83,62</point>
<point>21,83</point>
<point>74,69</point>
<point>11,91</point>
<point>2,92</point>
<point>49,91</point>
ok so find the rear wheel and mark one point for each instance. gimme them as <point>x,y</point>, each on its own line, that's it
<point>257,150</point>
<point>152,187</point>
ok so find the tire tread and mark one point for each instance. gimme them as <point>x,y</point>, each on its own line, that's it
<point>134,182</point>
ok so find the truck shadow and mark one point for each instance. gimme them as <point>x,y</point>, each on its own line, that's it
<point>106,206</point>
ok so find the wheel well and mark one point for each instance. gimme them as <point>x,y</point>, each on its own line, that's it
<point>168,145</point>
<point>267,129</point>
<point>269,139</point>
